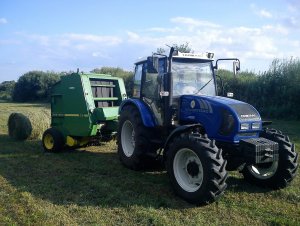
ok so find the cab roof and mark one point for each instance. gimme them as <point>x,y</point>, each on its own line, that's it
<point>179,55</point>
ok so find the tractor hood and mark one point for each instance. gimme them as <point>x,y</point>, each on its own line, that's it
<point>243,110</point>
<point>223,118</point>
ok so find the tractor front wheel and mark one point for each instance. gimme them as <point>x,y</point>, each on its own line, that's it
<point>52,140</point>
<point>275,174</point>
<point>196,168</point>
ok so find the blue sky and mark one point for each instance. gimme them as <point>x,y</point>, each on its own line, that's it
<point>63,35</point>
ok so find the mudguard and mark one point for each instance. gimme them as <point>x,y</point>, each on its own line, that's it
<point>146,115</point>
<point>180,130</point>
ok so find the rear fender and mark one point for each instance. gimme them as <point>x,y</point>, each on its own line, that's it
<point>145,112</point>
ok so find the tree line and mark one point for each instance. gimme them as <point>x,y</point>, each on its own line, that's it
<point>35,86</point>
<point>275,93</point>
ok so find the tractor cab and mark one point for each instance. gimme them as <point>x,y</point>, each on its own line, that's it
<point>160,81</point>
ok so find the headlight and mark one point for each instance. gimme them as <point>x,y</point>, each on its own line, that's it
<point>244,126</point>
<point>256,125</point>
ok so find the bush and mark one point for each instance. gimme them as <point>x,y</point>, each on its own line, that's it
<point>6,90</point>
<point>275,93</point>
<point>34,86</point>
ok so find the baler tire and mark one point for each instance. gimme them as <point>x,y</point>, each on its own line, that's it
<point>210,184</point>
<point>286,165</point>
<point>132,156</point>
<point>53,140</point>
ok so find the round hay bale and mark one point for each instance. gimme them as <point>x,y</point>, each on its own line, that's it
<point>40,121</point>
<point>30,125</point>
<point>19,126</point>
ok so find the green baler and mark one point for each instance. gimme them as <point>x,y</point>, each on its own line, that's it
<point>84,107</point>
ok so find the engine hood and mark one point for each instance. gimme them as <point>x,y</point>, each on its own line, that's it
<point>244,111</point>
<point>222,117</point>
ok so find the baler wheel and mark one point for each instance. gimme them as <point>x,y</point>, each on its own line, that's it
<point>52,140</point>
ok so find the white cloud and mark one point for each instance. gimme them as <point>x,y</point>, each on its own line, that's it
<point>101,55</point>
<point>109,40</point>
<point>291,22</point>
<point>278,28</point>
<point>192,23</point>
<point>3,21</point>
<point>250,44</point>
<point>133,36</point>
<point>261,12</point>
<point>164,30</point>
<point>245,31</point>
<point>264,13</point>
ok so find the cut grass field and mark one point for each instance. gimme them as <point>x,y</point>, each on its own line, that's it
<point>90,186</point>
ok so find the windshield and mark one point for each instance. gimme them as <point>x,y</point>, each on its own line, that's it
<point>193,78</point>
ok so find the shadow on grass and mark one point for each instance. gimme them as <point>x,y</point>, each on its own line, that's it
<point>89,178</point>
<point>236,184</point>
<point>82,177</point>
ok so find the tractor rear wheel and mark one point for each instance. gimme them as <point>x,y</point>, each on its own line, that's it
<point>196,168</point>
<point>52,140</point>
<point>279,173</point>
<point>133,139</point>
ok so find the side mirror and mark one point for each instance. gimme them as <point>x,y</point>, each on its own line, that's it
<point>152,64</point>
<point>236,67</point>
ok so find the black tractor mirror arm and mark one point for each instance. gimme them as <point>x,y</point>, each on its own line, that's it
<point>234,59</point>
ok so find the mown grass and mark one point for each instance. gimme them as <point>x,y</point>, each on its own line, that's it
<point>90,186</point>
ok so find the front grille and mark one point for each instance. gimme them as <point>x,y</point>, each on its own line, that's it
<point>259,150</point>
<point>246,134</point>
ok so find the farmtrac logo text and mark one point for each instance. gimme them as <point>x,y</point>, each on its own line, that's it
<point>248,116</point>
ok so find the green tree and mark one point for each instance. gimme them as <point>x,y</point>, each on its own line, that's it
<point>34,86</point>
<point>183,48</point>
<point>6,90</point>
<point>274,93</point>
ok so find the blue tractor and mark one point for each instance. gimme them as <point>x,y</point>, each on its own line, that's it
<point>175,112</point>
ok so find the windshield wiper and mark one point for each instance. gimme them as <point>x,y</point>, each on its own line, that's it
<point>203,86</point>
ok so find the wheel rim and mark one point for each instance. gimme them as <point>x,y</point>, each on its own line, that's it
<point>49,141</point>
<point>188,170</point>
<point>263,171</point>
<point>128,138</point>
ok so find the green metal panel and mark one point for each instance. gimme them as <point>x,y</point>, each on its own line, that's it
<point>82,103</point>
<point>105,114</point>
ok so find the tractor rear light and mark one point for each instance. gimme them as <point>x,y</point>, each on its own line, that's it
<point>255,125</point>
<point>245,126</point>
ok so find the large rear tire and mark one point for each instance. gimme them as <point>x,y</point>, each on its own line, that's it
<point>277,174</point>
<point>196,168</point>
<point>133,139</point>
